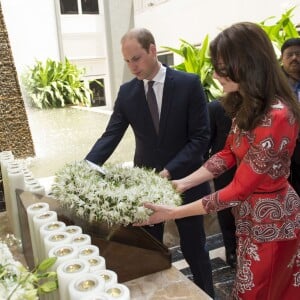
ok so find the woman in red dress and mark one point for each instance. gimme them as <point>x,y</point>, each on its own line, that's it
<point>265,127</point>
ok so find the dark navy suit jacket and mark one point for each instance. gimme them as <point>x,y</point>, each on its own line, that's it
<point>220,125</point>
<point>183,130</point>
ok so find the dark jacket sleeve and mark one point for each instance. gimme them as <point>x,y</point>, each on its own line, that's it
<point>110,139</point>
<point>198,132</point>
<point>220,126</point>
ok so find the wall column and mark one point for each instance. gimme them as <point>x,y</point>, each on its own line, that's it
<point>119,18</point>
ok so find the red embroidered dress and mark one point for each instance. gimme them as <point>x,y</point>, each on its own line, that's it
<point>266,208</point>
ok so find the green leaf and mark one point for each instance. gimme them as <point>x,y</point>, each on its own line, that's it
<point>48,287</point>
<point>46,264</point>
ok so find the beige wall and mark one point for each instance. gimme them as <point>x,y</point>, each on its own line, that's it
<point>191,20</point>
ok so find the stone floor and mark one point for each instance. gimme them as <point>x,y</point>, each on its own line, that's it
<point>223,274</point>
<point>66,135</point>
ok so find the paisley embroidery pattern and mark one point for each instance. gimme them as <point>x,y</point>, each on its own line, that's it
<point>244,276</point>
<point>296,262</point>
<point>269,219</point>
<point>267,208</point>
<point>212,204</point>
<point>215,165</point>
<point>264,159</point>
<point>292,203</point>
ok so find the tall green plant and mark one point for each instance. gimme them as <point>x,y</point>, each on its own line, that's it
<point>55,84</point>
<point>196,59</point>
<point>282,30</point>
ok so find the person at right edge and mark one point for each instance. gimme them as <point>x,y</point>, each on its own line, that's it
<point>290,58</point>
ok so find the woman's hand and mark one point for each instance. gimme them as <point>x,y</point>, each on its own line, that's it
<point>199,176</point>
<point>179,185</point>
<point>160,214</point>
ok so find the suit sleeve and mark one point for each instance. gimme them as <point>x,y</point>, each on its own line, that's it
<point>112,136</point>
<point>198,130</point>
<point>213,128</point>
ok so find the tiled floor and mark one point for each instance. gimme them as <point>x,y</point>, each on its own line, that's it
<point>223,274</point>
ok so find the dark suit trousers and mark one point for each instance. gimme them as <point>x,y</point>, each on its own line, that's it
<point>192,242</point>
<point>225,217</point>
<point>227,226</point>
<point>294,178</point>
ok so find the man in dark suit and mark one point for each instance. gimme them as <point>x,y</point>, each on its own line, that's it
<point>173,142</point>
<point>290,58</point>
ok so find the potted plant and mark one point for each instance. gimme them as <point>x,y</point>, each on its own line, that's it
<point>55,84</point>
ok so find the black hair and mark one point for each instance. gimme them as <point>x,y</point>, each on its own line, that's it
<point>289,43</point>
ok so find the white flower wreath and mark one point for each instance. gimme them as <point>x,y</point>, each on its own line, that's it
<point>116,197</point>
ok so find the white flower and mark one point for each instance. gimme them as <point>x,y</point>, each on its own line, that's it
<point>116,197</point>
<point>14,278</point>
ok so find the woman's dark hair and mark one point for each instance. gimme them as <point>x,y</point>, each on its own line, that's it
<point>249,58</point>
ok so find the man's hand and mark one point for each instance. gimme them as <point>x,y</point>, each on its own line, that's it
<point>95,167</point>
<point>165,174</point>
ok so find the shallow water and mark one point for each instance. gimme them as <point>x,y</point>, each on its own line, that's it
<point>67,134</point>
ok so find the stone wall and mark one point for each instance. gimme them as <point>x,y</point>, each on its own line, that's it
<point>15,133</point>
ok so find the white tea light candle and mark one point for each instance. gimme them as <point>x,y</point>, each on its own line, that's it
<point>73,230</point>
<point>47,229</point>
<point>32,210</point>
<point>109,276</point>
<point>118,291</point>
<point>6,157</point>
<point>96,263</point>
<point>15,181</point>
<point>86,285</point>
<point>63,253</point>
<point>81,239</point>
<point>54,239</point>
<point>38,221</point>
<point>88,251</point>
<point>67,271</point>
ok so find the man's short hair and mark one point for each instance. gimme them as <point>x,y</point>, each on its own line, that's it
<point>289,43</point>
